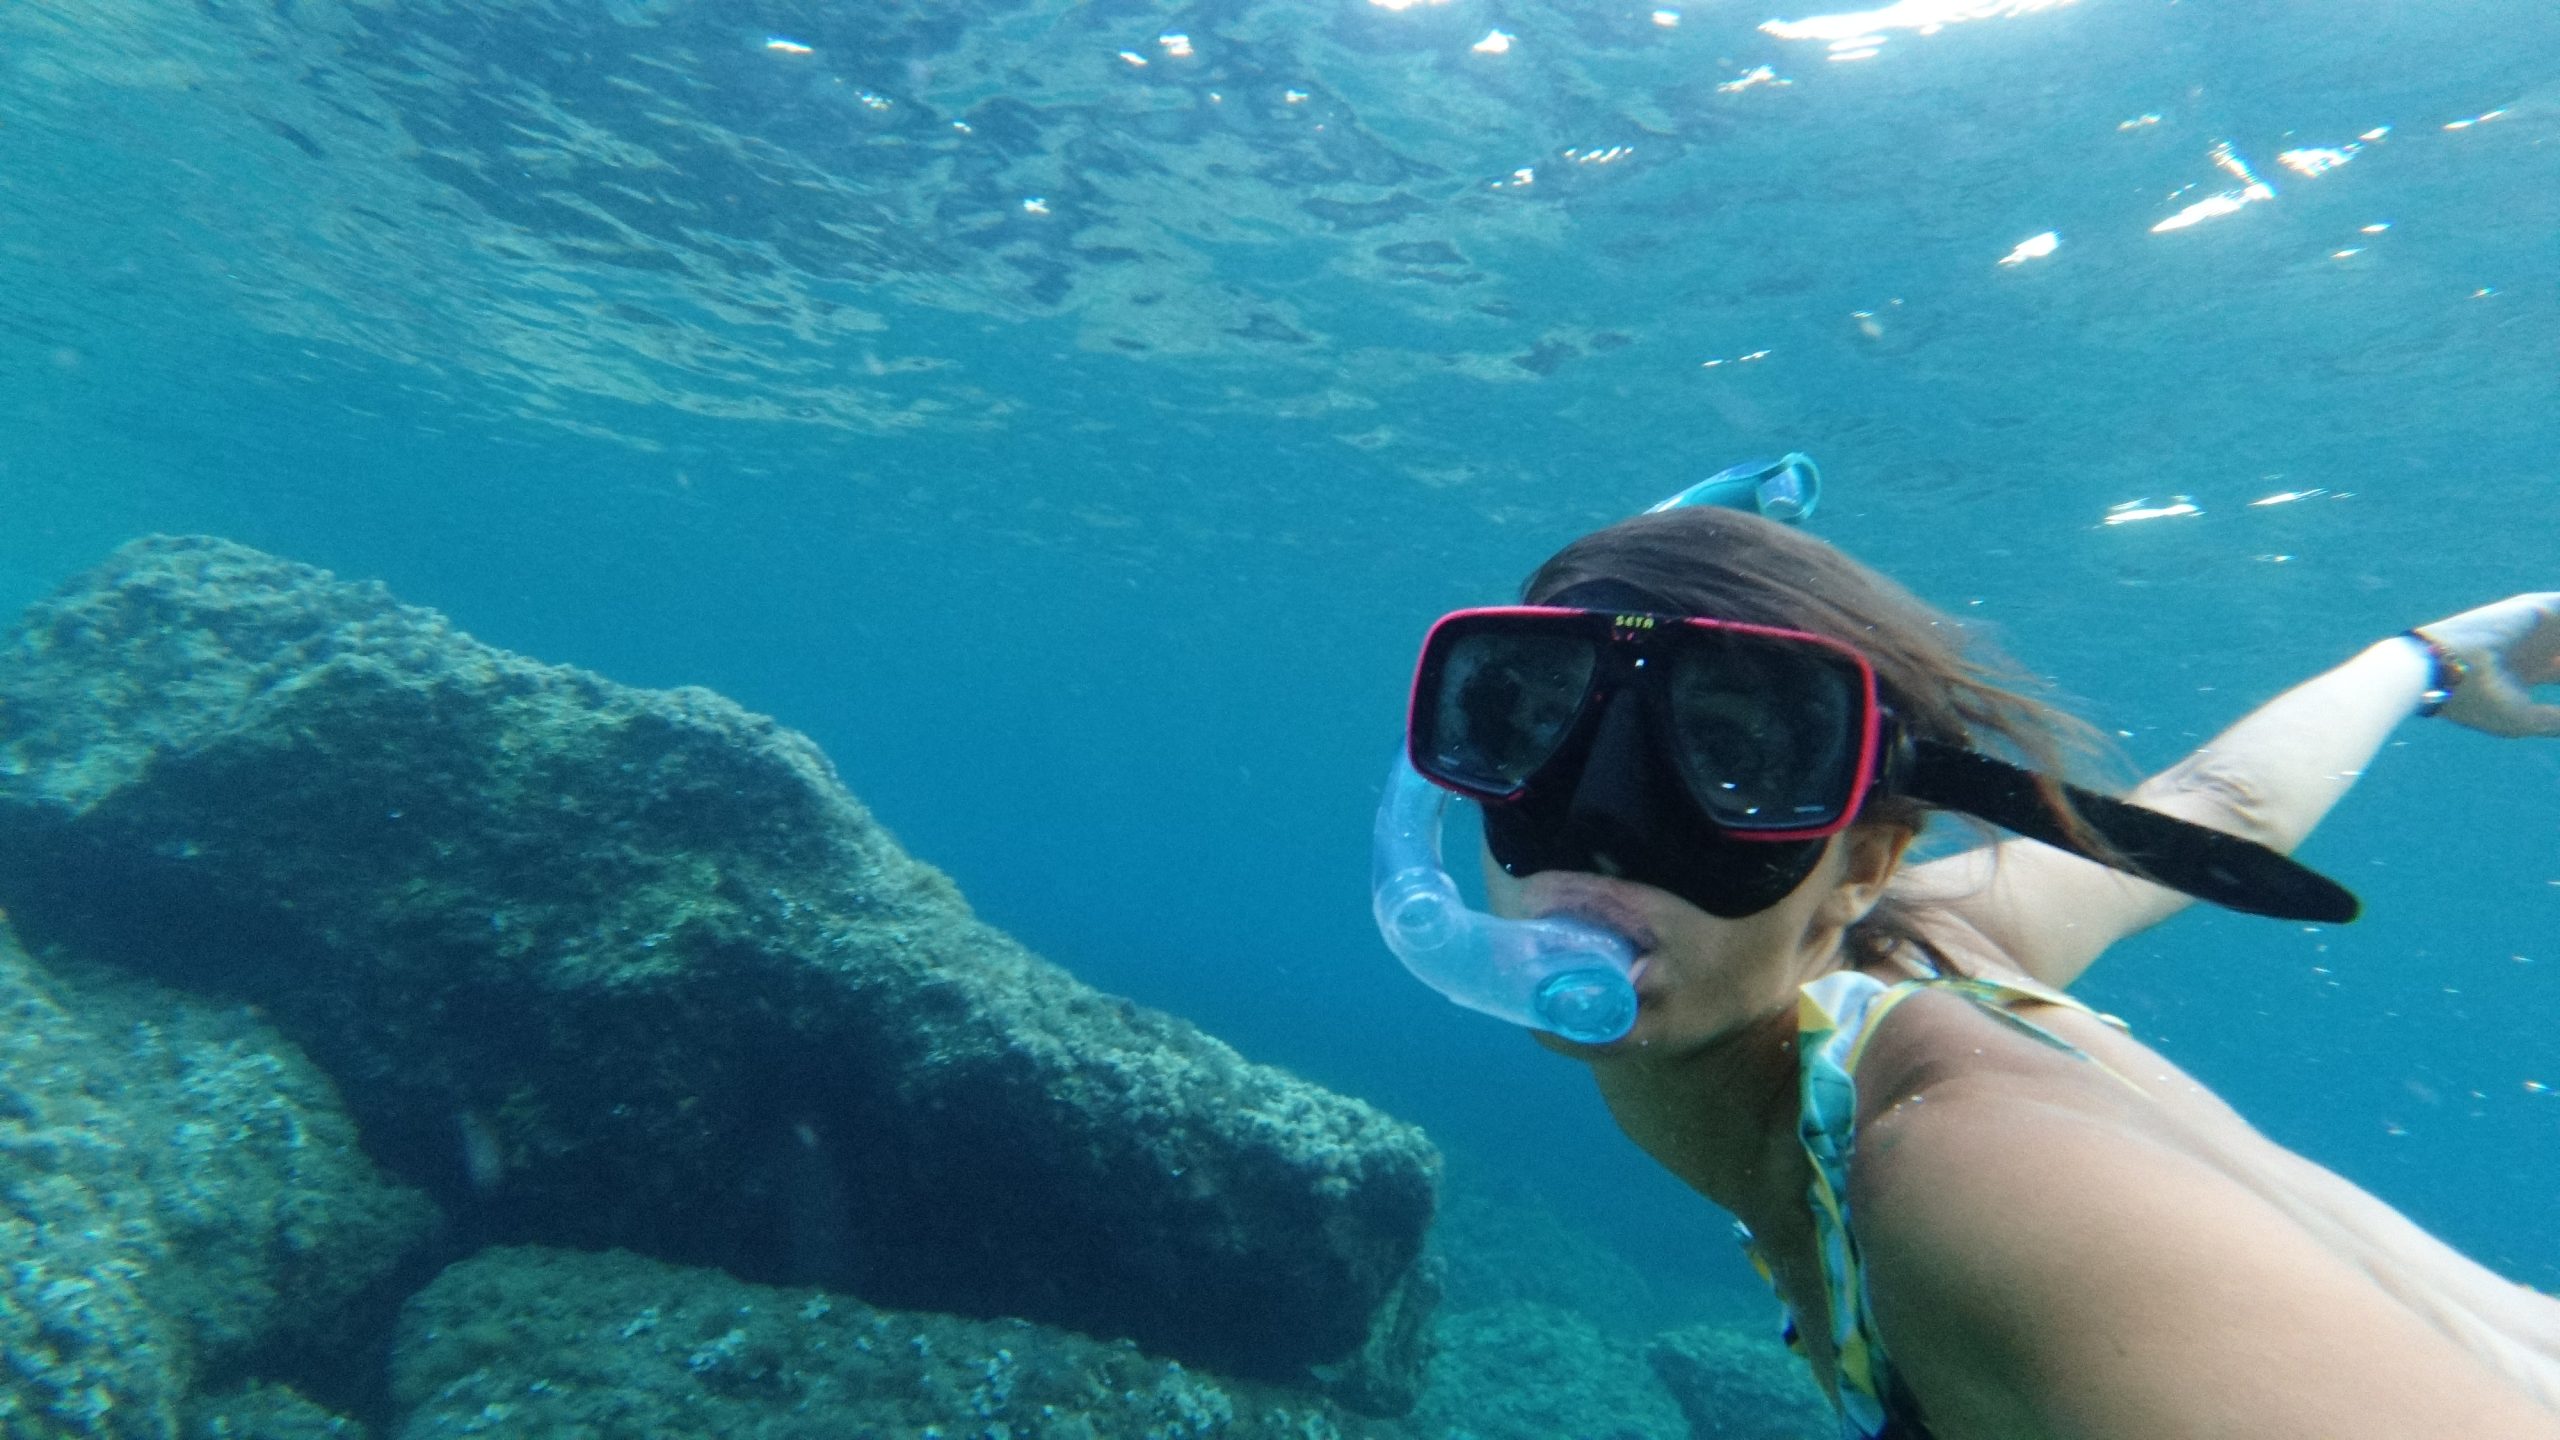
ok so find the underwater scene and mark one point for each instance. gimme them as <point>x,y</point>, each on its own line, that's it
<point>694,691</point>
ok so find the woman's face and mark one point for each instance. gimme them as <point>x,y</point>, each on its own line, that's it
<point>1700,978</point>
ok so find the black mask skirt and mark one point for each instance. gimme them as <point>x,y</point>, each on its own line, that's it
<point>1609,805</point>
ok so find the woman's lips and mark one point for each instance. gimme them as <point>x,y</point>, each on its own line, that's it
<point>1592,904</point>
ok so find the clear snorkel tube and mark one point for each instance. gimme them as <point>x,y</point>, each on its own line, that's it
<point>1554,974</point>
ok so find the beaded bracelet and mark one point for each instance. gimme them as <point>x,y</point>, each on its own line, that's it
<point>2445,676</point>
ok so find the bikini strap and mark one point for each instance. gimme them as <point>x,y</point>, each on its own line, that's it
<point>1834,1017</point>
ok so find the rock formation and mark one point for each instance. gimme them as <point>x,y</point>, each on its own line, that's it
<point>527,1341</point>
<point>606,967</point>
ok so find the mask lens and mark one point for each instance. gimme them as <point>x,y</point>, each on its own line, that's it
<point>1504,702</point>
<point>1766,731</point>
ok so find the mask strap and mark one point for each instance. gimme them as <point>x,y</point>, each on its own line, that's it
<point>2198,860</point>
<point>1607,594</point>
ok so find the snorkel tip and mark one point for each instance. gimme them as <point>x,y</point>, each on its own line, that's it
<point>1785,489</point>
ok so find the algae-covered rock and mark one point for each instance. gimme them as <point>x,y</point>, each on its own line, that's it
<point>261,1411</point>
<point>609,967</point>
<point>180,1194</point>
<point>1740,1385</point>
<point>1527,1371</point>
<point>527,1341</point>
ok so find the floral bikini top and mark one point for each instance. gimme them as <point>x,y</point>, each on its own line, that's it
<point>1834,1017</point>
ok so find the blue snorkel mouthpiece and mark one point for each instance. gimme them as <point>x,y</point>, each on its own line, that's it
<point>1555,974</point>
<point>1783,489</point>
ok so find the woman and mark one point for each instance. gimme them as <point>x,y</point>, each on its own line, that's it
<point>1989,1211</point>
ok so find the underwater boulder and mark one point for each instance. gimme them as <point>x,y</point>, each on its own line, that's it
<point>1739,1385</point>
<point>609,967</point>
<point>181,1199</point>
<point>1529,1371</point>
<point>261,1411</point>
<point>529,1341</point>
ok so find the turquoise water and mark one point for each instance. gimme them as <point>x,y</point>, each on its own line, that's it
<point>1077,447</point>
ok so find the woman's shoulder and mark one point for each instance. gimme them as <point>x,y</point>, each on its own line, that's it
<point>1975,1096</point>
<point>1990,1043</point>
<point>1975,1161</point>
<point>2043,1262</point>
<point>2049,1249</point>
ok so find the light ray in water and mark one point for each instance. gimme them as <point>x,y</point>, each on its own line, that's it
<point>1862,32</point>
<point>2228,202</point>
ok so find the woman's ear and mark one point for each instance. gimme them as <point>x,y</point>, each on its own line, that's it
<point>1870,854</point>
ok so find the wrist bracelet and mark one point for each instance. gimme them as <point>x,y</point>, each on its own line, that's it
<point>2445,675</point>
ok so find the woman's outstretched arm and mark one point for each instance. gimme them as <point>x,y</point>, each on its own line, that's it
<point>2043,1269</point>
<point>2270,778</point>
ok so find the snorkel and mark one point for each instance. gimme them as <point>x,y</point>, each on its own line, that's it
<point>1564,976</point>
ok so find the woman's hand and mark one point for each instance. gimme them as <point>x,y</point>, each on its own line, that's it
<point>2509,647</point>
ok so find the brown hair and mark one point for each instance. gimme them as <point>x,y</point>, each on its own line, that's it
<point>1733,565</point>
